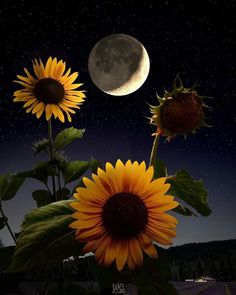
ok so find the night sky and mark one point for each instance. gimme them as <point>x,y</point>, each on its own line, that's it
<point>195,40</point>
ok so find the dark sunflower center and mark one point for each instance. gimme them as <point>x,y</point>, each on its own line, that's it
<point>49,91</point>
<point>182,114</point>
<point>124,215</point>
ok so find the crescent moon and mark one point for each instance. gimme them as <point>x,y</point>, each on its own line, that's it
<point>118,64</point>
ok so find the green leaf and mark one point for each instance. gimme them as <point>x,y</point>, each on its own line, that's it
<point>191,191</point>
<point>94,164</point>
<point>63,194</point>
<point>42,197</point>
<point>75,169</point>
<point>41,172</point>
<point>66,136</point>
<point>183,210</point>
<point>45,238</point>
<point>2,222</point>
<point>160,169</point>
<point>6,254</point>
<point>9,185</point>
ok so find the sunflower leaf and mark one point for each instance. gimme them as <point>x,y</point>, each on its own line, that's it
<point>191,191</point>
<point>6,254</point>
<point>45,238</point>
<point>75,169</point>
<point>42,197</point>
<point>160,169</point>
<point>183,210</point>
<point>40,172</point>
<point>9,185</point>
<point>66,136</point>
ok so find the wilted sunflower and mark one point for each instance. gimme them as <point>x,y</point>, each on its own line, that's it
<point>51,91</point>
<point>179,112</point>
<point>121,212</point>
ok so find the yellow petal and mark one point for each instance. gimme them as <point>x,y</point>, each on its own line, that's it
<point>147,245</point>
<point>60,70</point>
<point>111,253</point>
<point>136,252</point>
<point>30,77</point>
<point>38,107</point>
<point>73,98</point>
<point>100,251</point>
<point>72,86</point>
<point>58,113</point>
<point>85,235</point>
<point>71,79</point>
<point>29,102</point>
<point>92,245</point>
<point>26,85</point>
<point>158,236</point>
<point>48,67</point>
<point>122,255</point>
<point>31,107</point>
<point>53,67</point>
<point>130,262</point>
<point>48,111</point>
<point>26,80</point>
<point>40,112</point>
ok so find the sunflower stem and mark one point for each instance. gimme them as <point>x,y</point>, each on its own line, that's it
<point>59,183</point>
<point>155,145</point>
<point>7,224</point>
<point>51,156</point>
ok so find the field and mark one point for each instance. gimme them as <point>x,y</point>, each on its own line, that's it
<point>211,288</point>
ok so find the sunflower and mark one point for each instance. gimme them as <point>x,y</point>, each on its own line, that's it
<point>52,90</point>
<point>122,212</point>
<point>179,112</point>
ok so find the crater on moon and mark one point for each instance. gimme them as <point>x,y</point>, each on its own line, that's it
<point>118,64</point>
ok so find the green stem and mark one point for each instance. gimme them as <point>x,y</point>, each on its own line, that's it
<point>154,150</point>
<point>51,156</point>
<point>59,183</point>
<point>7,224</point>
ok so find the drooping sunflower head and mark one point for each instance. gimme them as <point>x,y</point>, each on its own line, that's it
<point>121,212</point>
<point>179,112</point>
<point>51,90</point>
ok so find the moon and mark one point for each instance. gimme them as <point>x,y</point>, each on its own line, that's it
<point>118,64</point>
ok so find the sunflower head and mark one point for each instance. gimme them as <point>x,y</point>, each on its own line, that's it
<point>51,90</point>
<point>121,212</point>
<point>179,112</point>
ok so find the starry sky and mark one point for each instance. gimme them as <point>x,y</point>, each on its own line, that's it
<point>195,40</point>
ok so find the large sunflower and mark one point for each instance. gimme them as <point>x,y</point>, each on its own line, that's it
<point>121,212</point>
<point>51,91</point>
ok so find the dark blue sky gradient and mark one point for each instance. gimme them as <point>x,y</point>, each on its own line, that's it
<point>195,40</point>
